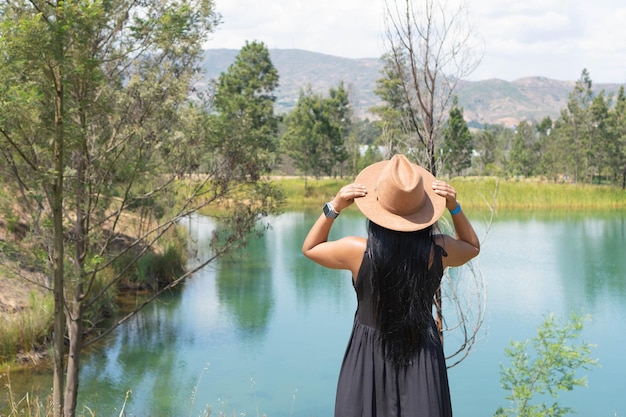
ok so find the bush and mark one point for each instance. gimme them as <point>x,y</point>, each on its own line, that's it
<point>549,368</point>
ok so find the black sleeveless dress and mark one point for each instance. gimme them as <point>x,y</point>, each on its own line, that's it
<point>370,386</point>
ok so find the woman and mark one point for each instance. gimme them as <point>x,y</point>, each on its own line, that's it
<point>394,364</point>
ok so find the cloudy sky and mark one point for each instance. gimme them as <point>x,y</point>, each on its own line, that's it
<point>551,38</point>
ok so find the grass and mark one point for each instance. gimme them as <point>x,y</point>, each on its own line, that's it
<point>28,329</point>
<point>479,193</point>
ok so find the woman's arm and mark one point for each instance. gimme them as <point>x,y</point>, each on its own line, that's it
<point>465,245</point>
<point>342,253</point>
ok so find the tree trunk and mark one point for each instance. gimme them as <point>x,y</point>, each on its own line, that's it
<point>75,330</point>
<point>58,257</point>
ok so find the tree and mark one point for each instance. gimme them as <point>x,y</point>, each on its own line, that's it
<point>603,144</point>
<point>338,103</point>
<point>393,114</point>
<point>549,368</point>
<point>96,126</point>
<point>431,47</point>
<point>575,127</point>
<point>617,129</point>
<point>485,145</point>
<point>457,141</point>
<point>244,99</point>
<point>526,151</point>
<point>316,130</point>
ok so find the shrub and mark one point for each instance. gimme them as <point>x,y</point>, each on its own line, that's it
<point>545,366</point>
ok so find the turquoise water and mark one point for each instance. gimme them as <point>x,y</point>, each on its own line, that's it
<point>265,331</point>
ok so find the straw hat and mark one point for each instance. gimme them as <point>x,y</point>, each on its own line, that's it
<point>399,195</point>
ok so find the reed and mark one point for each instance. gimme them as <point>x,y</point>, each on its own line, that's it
<point>536,195</point>
<point>479,193</point>
<point>300,193</point>
<point>27,329</point>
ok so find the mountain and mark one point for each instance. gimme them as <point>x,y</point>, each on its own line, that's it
<point>491,101</point>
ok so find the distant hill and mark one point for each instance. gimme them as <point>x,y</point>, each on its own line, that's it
<point>491,101</point>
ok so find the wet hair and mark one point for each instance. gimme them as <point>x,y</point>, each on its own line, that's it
<point>403,289</point>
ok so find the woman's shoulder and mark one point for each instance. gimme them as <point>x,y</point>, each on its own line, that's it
<point>353,248</point>
<point>354,243</point>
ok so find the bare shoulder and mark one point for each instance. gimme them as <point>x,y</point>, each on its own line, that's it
<point>355,242</point>
<point>344,253</point>
<point>354,248</point>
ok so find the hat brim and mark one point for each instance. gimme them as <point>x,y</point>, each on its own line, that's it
<point>428,214</point>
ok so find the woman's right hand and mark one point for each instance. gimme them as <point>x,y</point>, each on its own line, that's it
<point>346,195</point>
<point>444,189</point>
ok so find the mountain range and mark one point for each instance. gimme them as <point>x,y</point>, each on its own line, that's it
<point>491,101</point>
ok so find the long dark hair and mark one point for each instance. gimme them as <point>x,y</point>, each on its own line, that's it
<point>403,289</point>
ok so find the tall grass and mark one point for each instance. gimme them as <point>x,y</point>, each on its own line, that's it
<point>28,329</point>
<point>300,193</point>
<point>480,193</point>
<point>536,195</point>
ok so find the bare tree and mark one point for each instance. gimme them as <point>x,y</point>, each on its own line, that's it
<point>432,46</point>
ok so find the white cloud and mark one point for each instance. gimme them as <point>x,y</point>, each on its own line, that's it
<point>349,28</point>
<point>553,38</point>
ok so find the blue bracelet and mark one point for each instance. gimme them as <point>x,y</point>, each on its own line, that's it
<point>457,210</point>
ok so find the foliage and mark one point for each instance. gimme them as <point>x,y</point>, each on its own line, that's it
<point>550,368</point>
<point>585,144</point>
<point>315,132</point>
<point>101,120</point>
<point>244,99</point>
<point>393,114</point>
<point>525,152</point>
<point>457,142</point>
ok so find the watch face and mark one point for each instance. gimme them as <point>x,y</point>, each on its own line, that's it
<point>329,212</point>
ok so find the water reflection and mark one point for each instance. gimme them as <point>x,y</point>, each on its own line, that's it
<point>264,331</point>
<point>596,254</point>
<point>110,371</point>
<point>244,283</point>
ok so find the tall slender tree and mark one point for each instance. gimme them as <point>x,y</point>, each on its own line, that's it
<point>602,142</point>
<point>244,100</point>
<point>525,153</point>
<point>617,128</point>
<point>393,114</point>
<point>575,127</point>
<point>457,141</point>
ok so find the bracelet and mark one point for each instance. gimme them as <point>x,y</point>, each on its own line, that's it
<point>457,210</point>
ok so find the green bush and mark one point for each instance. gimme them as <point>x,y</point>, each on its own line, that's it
<point>545,366</point>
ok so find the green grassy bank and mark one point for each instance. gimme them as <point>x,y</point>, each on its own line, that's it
<point>479,193</point>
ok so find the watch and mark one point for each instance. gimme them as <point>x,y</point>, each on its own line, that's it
<point>329,211</point>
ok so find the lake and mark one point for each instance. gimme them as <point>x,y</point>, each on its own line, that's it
<point>264,332</point>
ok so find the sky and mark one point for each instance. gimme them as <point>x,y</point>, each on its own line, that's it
<point>519,38</point>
